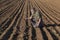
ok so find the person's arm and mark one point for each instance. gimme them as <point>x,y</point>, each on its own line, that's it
<point>39,21</point>
<point>29,17</point>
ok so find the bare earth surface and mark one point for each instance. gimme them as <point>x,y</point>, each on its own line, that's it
<point>13,25</point>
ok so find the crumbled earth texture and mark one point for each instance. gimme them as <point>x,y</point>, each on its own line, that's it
<point>13,25</point>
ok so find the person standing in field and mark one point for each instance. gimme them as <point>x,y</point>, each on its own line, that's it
<point>35,17</point>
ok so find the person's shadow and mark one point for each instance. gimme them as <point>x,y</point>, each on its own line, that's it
<point>41,24</point>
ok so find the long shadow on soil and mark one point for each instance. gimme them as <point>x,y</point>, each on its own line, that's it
<point>41,25</point>
<point>42,31</point>
<point>48,25</point>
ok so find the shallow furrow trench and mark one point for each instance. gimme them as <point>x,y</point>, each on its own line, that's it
<point>7,23</point>
<point>13,21</point>
<point>15,26</point>
<point>47,13</point>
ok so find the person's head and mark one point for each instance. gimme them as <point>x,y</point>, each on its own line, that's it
<point>34,9</point>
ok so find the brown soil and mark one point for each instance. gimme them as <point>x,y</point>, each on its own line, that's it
<point>13,25</point>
